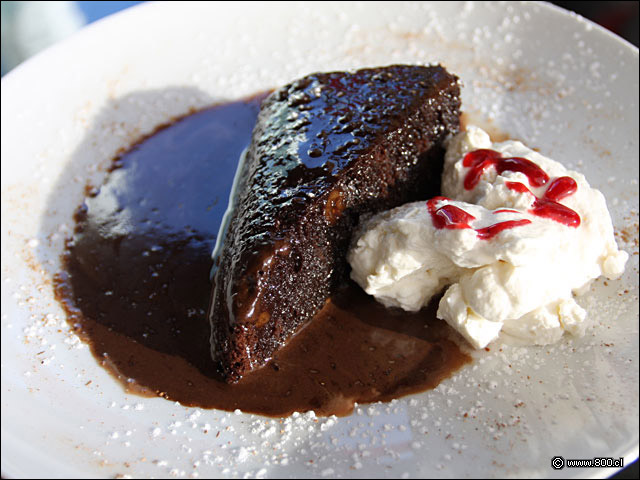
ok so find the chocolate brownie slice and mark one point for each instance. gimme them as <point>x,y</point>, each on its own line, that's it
<point>326,149</point>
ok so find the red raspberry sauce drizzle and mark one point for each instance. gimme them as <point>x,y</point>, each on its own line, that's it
<point>548,206</point>
<point>452,217</point>
<point>448,216</point>
<point>493,230</point>
<point>479,160</point>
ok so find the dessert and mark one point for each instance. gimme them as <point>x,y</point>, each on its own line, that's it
<point>136,287</point>
<point>148,231</point>
<point>326,149</point>
<point>519,235</point>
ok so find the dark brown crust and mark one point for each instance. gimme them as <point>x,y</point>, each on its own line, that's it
<point>326,149</point>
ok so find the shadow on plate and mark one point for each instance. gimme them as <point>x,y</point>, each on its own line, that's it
<point>139,260</point>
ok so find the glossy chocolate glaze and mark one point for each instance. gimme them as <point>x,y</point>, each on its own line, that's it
<point>135,286</point>
<point>326,149</point>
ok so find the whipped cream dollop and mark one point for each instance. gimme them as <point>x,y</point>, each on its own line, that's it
<point>514,237</point>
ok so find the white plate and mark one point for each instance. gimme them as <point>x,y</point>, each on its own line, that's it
<point>538,73</point>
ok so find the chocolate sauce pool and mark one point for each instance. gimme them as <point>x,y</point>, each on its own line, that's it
<point>135,285</point>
